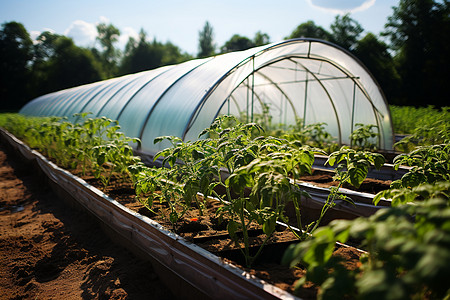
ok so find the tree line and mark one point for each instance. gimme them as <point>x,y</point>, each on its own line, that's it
<point>409,59</point>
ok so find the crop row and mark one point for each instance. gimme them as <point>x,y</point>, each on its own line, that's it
<point>408,245</point>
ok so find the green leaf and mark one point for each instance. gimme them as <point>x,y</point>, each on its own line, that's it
<point>101,158</point>
<point>379,160</point>
<point>357,174</point>
<point>232,227</point>
<point>269,225</point>
<point>173,217</point>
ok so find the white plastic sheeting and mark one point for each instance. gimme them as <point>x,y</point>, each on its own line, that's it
<point>301,79</point>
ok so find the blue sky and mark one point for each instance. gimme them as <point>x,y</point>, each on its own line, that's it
<point>179,21</point>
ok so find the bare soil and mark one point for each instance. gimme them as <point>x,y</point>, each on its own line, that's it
<point>50,251</point>
<point>205,231</point>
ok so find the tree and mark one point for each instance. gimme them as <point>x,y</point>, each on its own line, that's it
<point>173,55</point>
<point>345,31</point>
<point>206,45</point>
<point>310,30</point>
<point>237,43</point>
<point>61,64</point>
<point>376,57</point>
<point>419,31</point>
<point>107,36</point>
<point>141,55</point>
<point>261,39</point>
<point>16,54</point>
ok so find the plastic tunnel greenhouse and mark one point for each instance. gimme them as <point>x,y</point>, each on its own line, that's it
<point>301,79</point>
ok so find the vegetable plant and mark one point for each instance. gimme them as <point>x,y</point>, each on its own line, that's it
<point>255,174</point>
<point>408,254</point>
<point>430,165</point>
<point>94,144</point>
<point>364,137</point>
<point>351,168</point>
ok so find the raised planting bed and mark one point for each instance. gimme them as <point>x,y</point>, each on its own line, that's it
<point>317,186</point>
<point>215,273</point>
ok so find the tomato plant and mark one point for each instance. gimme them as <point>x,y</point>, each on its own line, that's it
<point>430,165</point>
<point>257,174</point>
<point>92,143</point>
<point>408,254</point>
<point>364,137</point>
<point>351,167</point>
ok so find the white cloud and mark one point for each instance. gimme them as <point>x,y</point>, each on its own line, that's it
<point>34,35</point>
<point>103,19</point>
<point>83,33</point>
<point>342,6</point>
<point>125,34</point>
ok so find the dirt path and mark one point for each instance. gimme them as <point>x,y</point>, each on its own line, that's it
<point>48,251</point>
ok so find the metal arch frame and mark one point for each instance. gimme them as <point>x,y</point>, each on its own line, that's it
<point>137,91</point>
<point>141,132</point>
<point>126,103</point>
<point>242,82</point>
<point>260,51</point>
<point>360,87</point>
<point>315,57</point>
<point>326,92</point>
<point>70,100</point>
<point>101,89</point>
<point>278,59</point>
<point>212,89</point>
<point>289,58</point>
<point>234,100</point>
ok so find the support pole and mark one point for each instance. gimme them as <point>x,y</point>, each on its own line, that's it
<point>253,86</point>
<point>306,100</point>
<point>248,98</point>
<point>353,111</point>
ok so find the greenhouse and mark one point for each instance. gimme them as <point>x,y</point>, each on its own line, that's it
<point>302,81</point>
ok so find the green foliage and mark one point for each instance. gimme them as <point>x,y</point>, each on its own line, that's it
<point>16,52</point>
<point>143,55</point>
<point>432,129</point>
<point>108,34</point>
<point>351,168</point>
<point>430,165</point>
<point>419,32</point>
<point>206,47</point>
<point>61,64</point>
<point>345,31</point>
<point>258,185</point>
<point>94,144</point>
<point>401,195</point>
<point>405,118</point>
<point>364,138</point>
<point>375,55</point>
<point>237,43</point>
<point>314,135</point>
<point>310,30</point>
<point>408,254</point>
<point>261,39</point>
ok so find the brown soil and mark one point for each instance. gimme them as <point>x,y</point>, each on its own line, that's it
<point>55,251</point>
<point>325,179</point>
<point>206,231</point>
<point>49,251</point>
